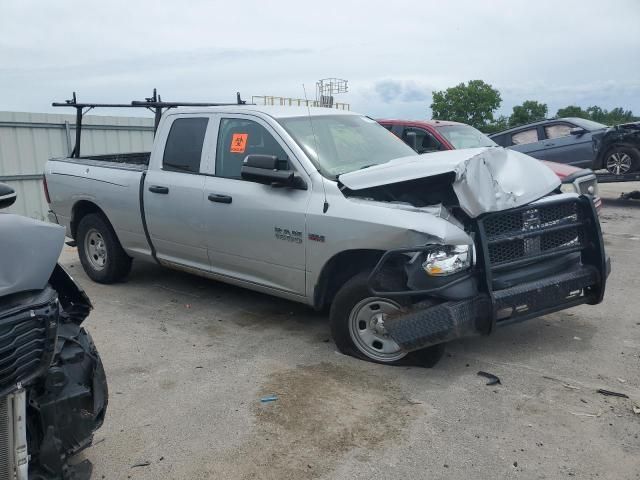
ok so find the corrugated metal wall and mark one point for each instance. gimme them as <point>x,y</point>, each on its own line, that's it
<point>28,140</point>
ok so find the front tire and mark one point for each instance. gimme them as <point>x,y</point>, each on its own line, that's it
<point>622,160</point>
<point>357,326</point>
<point>101,254</point>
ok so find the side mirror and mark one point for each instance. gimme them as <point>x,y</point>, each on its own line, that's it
<point>577,131</point>
<point>266,169</point>
<point>7,195</point>
<point>411,139</point>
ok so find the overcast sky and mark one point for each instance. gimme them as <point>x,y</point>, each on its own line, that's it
<point>394,54</point>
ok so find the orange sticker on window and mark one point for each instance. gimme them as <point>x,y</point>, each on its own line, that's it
<point>238,142</point>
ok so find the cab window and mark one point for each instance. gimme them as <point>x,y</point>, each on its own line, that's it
<point>183,149</point>
<point>238,138</point>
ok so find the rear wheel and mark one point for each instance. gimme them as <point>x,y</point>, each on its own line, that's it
<point>622,160</point>
<point>357,326</point>
<point>100,252</point>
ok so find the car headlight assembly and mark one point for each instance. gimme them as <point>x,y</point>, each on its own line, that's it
<point>568,188</point>
<point>447,260</point>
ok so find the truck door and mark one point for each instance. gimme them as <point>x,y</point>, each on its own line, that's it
<point>174,193</point>
<point>255,233</point>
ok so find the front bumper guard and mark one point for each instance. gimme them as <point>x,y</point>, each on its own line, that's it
<point>507,241</point>
<point>423,326</point>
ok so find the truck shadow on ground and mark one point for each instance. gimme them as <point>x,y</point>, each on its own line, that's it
<point>221,303</point>
<point>221,309</point>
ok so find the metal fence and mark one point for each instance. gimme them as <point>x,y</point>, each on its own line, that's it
<point>28,140</point>
<point>295,102</point>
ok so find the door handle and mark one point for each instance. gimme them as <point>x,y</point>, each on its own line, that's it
<point>215,197</point>
<point>159,189</point>
<point>549,144</point>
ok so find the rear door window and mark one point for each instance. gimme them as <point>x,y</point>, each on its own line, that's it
<point>183,150</point>
<point>525,136</point>
<point>238,138</point>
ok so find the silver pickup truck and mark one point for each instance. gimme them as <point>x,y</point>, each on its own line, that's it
<point>328,208</point>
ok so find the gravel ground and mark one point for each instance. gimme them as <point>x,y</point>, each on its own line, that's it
<point>188,360</point>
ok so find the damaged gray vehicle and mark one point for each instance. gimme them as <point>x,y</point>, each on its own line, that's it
<point>328,208</point>
<point>53,389</point>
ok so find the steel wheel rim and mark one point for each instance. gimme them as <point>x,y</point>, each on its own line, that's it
<point>619,163</point>
<point>96,249</point>
<point>366,327</point>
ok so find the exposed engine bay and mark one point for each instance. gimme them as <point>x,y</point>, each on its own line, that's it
<point>420,192</point>
<point>479,180</point>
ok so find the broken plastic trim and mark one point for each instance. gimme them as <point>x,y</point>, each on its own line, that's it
<point>376,272</point>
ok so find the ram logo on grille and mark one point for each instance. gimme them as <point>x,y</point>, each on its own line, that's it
<point>531,221</point>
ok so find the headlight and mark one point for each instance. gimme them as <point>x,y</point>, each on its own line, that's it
<point>568,188</point>
<point>447,260</point>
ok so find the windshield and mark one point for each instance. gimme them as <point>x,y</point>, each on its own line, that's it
<point>344,143</point>
<point>588,124</point>
<point>464,136</point>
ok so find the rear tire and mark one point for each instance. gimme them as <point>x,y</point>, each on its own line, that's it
<point>100,252</point>
<point>621,160</point>
<point>357,327</point>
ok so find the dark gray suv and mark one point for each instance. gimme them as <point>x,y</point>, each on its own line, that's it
<point>564,140</point>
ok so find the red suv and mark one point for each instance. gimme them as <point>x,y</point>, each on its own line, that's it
<point>435,135</point>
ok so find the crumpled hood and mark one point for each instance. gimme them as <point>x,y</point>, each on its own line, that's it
<point>486,179</point>
<point>29,251</point>
<point>628,126</point>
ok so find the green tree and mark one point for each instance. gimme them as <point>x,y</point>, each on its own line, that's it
<point>572,111</point>
<point>598,114</point>
<point>472,103</point>
<point>618,115</point>
<point>528,112</point>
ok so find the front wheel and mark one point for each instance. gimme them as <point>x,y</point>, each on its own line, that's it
<point>101,254</point>
<point>622,160</point>
<point>357,326</point>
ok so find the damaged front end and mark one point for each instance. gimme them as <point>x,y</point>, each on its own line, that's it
<point>530,251</point>
<point>53,390</point>
<point>477,180</point>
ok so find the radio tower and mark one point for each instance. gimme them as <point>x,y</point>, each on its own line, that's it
<point>327,88</point>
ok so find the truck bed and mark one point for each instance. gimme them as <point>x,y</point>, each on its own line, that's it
<point>112,183</point>
<point>138,161</point>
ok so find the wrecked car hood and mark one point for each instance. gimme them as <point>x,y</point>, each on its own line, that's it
<point>29,253</point>
<point>629,126</point>
<point>486,179</point>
